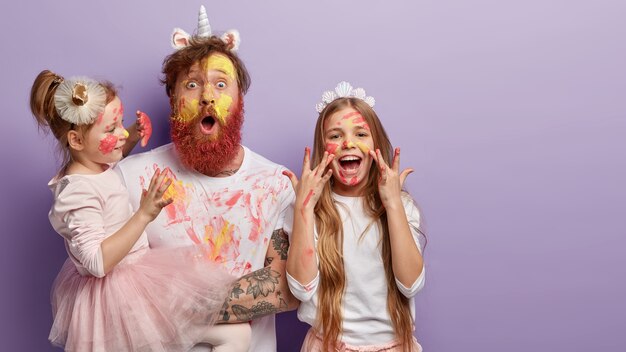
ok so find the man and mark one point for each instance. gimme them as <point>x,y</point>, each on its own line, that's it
<point>225,197</point>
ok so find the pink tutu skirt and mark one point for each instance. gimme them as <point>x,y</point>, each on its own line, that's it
<point>154,300</point>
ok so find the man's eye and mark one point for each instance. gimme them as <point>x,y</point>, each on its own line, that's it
<point>221,85</point>
<point>192,85</point>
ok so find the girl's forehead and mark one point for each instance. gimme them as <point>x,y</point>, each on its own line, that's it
<point>346,117</point>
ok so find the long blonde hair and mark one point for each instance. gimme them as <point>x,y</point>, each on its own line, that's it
<point>330,241</point>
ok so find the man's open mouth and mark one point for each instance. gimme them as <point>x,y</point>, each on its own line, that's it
<point>207,124</point>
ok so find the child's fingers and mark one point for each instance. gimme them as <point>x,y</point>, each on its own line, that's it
<point>327,176</point>
<point>322,165</point>
<point>306,163</point>
<point>395,164</point>
<point>404,174</point>
<point>292,178</point>
<point>165,202</point>
<point>154,178</point>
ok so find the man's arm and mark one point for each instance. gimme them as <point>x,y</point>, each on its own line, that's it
<point>264,291</point>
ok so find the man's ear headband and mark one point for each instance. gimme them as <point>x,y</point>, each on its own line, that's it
<point>181,39</point>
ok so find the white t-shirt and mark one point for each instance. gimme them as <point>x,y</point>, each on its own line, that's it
<point>233,216</point>
<point>366,320</point>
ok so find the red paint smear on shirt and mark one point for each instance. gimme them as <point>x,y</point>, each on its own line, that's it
<point>255,231</point>
<point>107,144</point>
<point>233,200</point>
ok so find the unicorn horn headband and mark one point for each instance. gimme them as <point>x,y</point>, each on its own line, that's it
<point>344,90</point>
<point>181,39</point>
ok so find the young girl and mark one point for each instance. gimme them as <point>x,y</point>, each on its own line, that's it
<point>113,293</point>
<point>354,259</point>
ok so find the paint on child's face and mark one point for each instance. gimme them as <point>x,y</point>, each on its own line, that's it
<point>347,135</point>
<point>107,144</point>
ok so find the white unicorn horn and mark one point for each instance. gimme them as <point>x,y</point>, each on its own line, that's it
<point>204,28</point>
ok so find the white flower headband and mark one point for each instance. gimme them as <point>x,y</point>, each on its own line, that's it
<point>344,90</point>
<point>79,100</point>
<point>180,38</point>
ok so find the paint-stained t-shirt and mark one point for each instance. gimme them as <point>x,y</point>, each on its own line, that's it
<point>233,216</point>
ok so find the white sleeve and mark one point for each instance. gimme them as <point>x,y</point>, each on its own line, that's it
<point>413,218</point>
<point>80,209</point>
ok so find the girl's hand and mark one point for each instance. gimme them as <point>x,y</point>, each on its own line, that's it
<point>391,181</point>
<point>151,199</point>
<point>309,187</point>
<point>144,127</point>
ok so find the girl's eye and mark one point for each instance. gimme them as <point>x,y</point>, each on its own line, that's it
<point>362,135</point>
<point>221,85</point>
<point>192,85</point>
<point>333,136</point>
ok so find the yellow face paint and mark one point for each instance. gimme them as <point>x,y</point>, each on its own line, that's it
<point>221,107</point>
<point>189,110</point>
<point>364,148</point>
<point>126,134</point>
<point>220,63</point>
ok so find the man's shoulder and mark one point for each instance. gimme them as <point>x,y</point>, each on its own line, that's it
<point>258,161</point>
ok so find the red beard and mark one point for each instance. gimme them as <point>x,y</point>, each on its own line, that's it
<point>198,152</point>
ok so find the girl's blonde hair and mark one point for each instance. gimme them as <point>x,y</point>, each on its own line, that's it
<point>330,242</point>
<point>48,118</point>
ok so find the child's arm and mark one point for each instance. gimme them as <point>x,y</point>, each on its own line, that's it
<point>116,247</point>
<point>302,260</point>
<point>140,130</point>
<point>407,259</point>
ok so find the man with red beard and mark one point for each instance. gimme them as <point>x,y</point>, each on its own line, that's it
<point>226,198</point>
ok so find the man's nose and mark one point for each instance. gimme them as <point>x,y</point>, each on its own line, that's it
<point>208,98</point>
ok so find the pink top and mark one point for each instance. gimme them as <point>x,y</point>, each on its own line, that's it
<point>87,209</point>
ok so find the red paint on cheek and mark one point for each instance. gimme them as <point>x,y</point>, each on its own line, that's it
<point>331,148</point>
<point>107,144</point>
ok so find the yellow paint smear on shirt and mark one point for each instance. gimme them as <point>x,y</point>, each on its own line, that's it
<point>224,237</point>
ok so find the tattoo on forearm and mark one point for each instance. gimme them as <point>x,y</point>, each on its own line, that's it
<point>236,291</point>
<point>262,282</point>
<point>258,310</point>
<point>268,260</point>
<point>280,243</point>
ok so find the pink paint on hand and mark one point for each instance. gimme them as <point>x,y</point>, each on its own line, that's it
<point>107,144</point>
<point>144,121</point>
<point>308,197</point>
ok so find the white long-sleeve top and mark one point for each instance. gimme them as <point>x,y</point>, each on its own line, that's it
<point>366,320</point>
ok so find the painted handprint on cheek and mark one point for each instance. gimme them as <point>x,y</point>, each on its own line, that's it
<point>107,144</point>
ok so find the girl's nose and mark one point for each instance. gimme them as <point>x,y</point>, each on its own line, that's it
<point>125,133</point>
<point>347,144</point>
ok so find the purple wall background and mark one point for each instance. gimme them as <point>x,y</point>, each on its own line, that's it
<point>512,112</point>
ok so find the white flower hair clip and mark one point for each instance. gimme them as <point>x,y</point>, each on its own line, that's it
<point>181,39</point>
<point>79,100</point>
<point>344,90</point>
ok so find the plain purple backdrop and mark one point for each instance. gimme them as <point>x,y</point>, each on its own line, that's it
<point>513,114</point>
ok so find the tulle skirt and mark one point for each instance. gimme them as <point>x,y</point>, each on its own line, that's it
<point>154,300</point>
